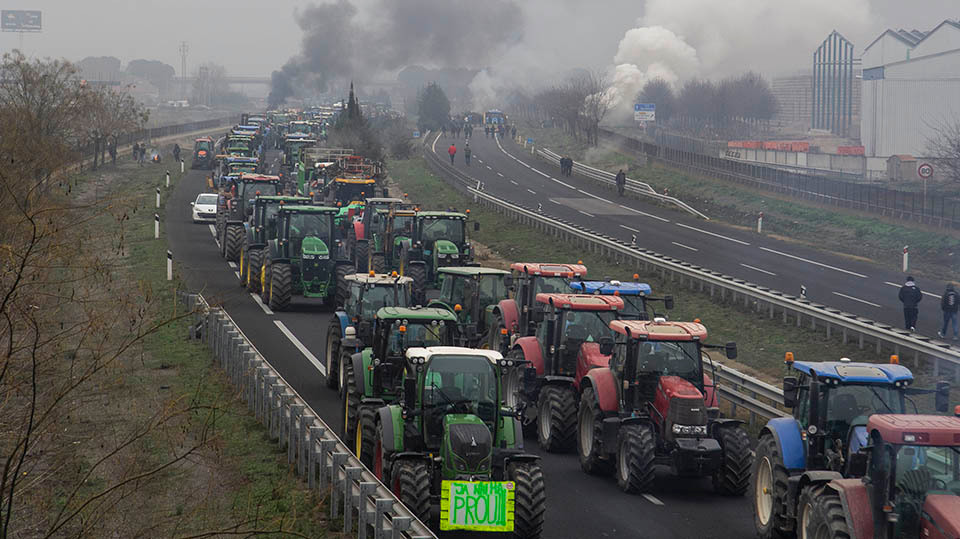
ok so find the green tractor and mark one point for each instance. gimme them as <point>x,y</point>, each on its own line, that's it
<point>261,226</point>
<point>472,293</point>
<point>451,439</point>
<point>235,205</point>
<point>304,259</point>
<point>381,363</point>
<point>439,240</point>
<point>359,232</point>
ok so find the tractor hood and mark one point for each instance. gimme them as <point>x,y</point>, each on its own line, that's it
<point>400,241</point>
<point>446,247</point>
<point>314,247</point>
<point>590,356</point>
<point>468,442</point>
<point>943,512</point>
<point>676,387</point>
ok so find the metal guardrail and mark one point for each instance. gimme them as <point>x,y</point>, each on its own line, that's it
<point>752,295</point>
<point>313,450</point>
<point>636,187</point>
<point>746,392</point>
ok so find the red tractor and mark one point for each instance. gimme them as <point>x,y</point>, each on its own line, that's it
<point>515,314</point>
<point>910,486</point>
<point>653,405</point>
<point>565,347</point>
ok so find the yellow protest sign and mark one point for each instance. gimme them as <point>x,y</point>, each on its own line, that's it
<point>477,505</point>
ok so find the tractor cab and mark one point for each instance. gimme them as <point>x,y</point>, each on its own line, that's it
<point>240,192</point>
<point>371,220</point>
<point>242,165</point>
<point>636,296</point>
<point>292,144</point>
<point>471,293</point>
<point>356,179</point>
<point>370,292</point>
<point>439,240</point>
<point>315,166</point>
<point>261,226</point>
<point>391,231</point>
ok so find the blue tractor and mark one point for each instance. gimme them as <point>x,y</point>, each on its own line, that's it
<point>822,438</point>
<point>636,296</point>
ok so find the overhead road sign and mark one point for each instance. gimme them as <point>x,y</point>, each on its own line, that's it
<point>17,20</point>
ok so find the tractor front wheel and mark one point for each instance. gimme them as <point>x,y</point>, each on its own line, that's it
<point>418,272</point>
<point>733,477</point>
<point>769,480</point>
<point>635,455</point>
<point>497,339</point>
<point>557,418</point>
<point>342,290</point>
<point>333,354</point>
<point>589,434</point>
<point>805,509</point>
<point>233,242</point>
<point>366,435</point>
<point>349,399</point>
<point>359,255</point>
<point>827,518</point>
<point>411,483</point>
<point>254,261</point>
<point>529,499</point>
<point>281,282</point>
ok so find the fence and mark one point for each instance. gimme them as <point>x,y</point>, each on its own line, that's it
<point>913,206</point>
<point>313,450</point>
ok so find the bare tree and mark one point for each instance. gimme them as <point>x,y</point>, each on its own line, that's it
<point>944,144</point>
<point>596,104</point>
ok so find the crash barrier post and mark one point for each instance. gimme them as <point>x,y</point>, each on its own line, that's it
<point>316,453</point>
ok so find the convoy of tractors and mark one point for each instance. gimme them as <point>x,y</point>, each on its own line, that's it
<point>444,367</point>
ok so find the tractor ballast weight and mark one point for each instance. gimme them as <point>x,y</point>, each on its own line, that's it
<point>471,293</point>
<point>235,205</point>
<point>258,229</point>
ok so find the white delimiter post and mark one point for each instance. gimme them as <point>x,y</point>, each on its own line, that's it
<point>168,178</point>
<point>181,166</point>
<point>156,226</point>
<point>760,223</point>
<point>906,258</point>
<point>158,197</point>
<point>169,266</point>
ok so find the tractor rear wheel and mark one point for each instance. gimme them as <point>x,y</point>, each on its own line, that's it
<point>769,489</point>
<point>234,240</point>
<point>333,354</point>
<point>827,519</point>
<point>529,499</point>
<point>254,260</point>
<point>342,290</point>
<point>733,477</point>
<point>378,263</point>
<point>266,272</point>
<point>366,435</point>
<point>635,456</point>
<point>281,283</point>
<point>805,509</point>
<point>557,418</point>
<point>349,399</point>
<point>418,272</point>
<point>411,483</point>
<point>359,255</point>
<point>589,434</point>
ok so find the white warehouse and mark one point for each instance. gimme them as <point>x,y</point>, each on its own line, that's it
<point>911,84</point>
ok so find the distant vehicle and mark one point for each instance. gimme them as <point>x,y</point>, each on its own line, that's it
<point>494,117</point>
<point>204,208</point>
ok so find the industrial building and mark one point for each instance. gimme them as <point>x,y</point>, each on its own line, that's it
<point>910,85</point>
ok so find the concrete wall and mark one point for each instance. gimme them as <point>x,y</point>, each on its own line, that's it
<point>850,164</point>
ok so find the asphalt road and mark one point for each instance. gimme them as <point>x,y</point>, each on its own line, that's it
<point>855,286</point>
<point>579,505</point>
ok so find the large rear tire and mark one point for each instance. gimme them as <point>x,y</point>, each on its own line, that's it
<point>827,519</point>
<point>418,272</point>
<point>342,291</point>
<point>590,434</point>
<point>281,283</point>
<point>366,438</point>
<point>254,263</point>
<point>332,359</point>
<point>733,477</point>
<point>349,400</point>
<point>529,499</point>
<point>635,456</point>
<point>411,483</point>
<point>234,241</point>
<point>805,509</point>
<point>557,418</point>
<point>359,256</point>
<point>769,487</point>
<point>378,263</point>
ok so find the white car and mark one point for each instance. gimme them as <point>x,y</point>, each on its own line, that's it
<point>204,208</point>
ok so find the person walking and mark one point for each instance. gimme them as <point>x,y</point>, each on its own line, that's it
<point>621,182</point>
<point>466,154</point>
<point>176,152</point>
<point>513,132</point>
<point>452,150</point>
<point>443,131</point>
<point>949,304</point>
<point>136,150</point>
<point>911,296</point>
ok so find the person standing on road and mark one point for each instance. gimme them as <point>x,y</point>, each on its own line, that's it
<point>176,152</point>
<point>452,150</point>
<point>949,304</point>
<point>621,182</point>
<point>136,150</point>
<point>466,153</point>
<point>513,132</point>
<point>911,296</point>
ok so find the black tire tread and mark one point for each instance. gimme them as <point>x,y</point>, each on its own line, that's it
<point>529,499</point>
<point>378,263</point>
<point>828,510</point>
<point>367,424</point>
<point>733,478</point>
<point>563,418</point>
<point>594,463</point>
<point>418,273</point>
<point>254,260</point>
<point>332,355</point>
<point>638,442</point>
<point>413,482</point>
<point>780,525</point>
<point>281,284</point>
<point>349,400</point>
<point>233,242</point>
<point>359,256</point>
<point>342,290</point>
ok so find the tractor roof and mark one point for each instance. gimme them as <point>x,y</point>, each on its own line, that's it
<point>259,178</point>
<point>275,198</point>
<point>383,200</point>
<point>431,351</point>
<point>203,139</point>
<point>415,313</point>
<point>550,270</point>
<point>231,159</point>
<point>656,330</point>
<point>582,302</point>
<point>848,371</point>
<point>296,208</point>
<point>608,288</point>
<point>384,279</point>
<point>470,271</point>
<point>442,215</point>
<point>926,429</point>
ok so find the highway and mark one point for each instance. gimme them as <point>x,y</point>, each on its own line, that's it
<point>579,505</point>
<point>852,285</point>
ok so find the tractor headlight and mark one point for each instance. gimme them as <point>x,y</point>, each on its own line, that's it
<point>454,256</point>
<point>441,255</point>
<point>689,430</point>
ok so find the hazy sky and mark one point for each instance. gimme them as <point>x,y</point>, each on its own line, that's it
<point>254,37</point>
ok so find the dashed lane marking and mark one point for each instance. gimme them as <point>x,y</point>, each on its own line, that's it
<point>259,302</point>
<point>899,285</point>
<point>707,232</point>
<point>531,191</point>
<point>213,230</point>
<point>694,249</point>
<point>628,208</point>
<point>652,499</point>
<point>857,299</point>
<point>514,183</point>
<point>815,263</point>
<point>587,214</point>
<point>498,174</point>
<point>303,349</point>
<point>488,167</point>
<point>232,264</point>
<point>758,269</point>
<point>630,229</point>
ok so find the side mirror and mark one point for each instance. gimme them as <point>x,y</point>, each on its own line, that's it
<point>191,203</point>
<point>606,346</point>
<point>731,349</point>
<point>668,303</point>
<point>942,398</point>
<point>476,226</point>
<point>790,391</point>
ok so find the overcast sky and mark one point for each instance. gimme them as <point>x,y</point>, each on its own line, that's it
<point>254,37</point>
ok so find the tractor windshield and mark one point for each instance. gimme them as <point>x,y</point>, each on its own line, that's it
<point>550,285</point>
<point>403,225</point>
<point>587,326</point>
<point>670,358</point>
<point>375,297</point>
<point>848,404</point>
<point>309,224</point>
<point>252,189</point>
<point>203,145</point>
<point>418,335</point>
<point>634,308</point>
<point>442,229</point>
<point>451,379</point>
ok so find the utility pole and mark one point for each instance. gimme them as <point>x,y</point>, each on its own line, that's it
<point>184,49</point>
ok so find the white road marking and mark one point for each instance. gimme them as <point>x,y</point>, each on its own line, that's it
<point>652,499</point>
<point>531,191</point>
<point>594,196</point>
<point>758,269</point>
<point>232,264</point>
<point>237,273</point>
<point>587,214</point>
<point>498,174</point>
<point>856,299</point>
<point>303,349</point>
<point>213,230</point>
<point>628,208</point>
<point>899,285</point>
<point>630,229</point>
<point>694,249</point>
<point>259,302</point>
<point>514,183</point>
<point>815,263</point>
<point>479,160</point>
<point>545,175</point>
<point>488,167</point>
<point>707,232</point>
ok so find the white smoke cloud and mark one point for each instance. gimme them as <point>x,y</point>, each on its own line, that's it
<point>646,53</point>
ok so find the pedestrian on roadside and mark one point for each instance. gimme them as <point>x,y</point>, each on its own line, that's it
<point>112,150</point>
<point>136,150</point>
<point>176,152</point>
<point>443,131</point>
<point>513,132</point>
<point>466,153</point>
<point>452,150</point>
<point>143,154</point>
<point>621,182</point>
<point>949,304</point>
<point>911,296</point>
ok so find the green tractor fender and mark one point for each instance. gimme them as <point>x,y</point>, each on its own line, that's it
<point>391,424</point>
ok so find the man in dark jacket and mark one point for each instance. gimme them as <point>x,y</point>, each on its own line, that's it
<point>949,304</point>
<point>621,182</point>
<point>910,296</point>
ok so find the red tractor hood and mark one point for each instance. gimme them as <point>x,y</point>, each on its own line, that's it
<point>591,357</point>
<point>943,511</point>
<point>674,386</point>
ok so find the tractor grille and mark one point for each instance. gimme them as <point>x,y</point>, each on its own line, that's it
<point>686,412</point>
<point>471,442</point>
